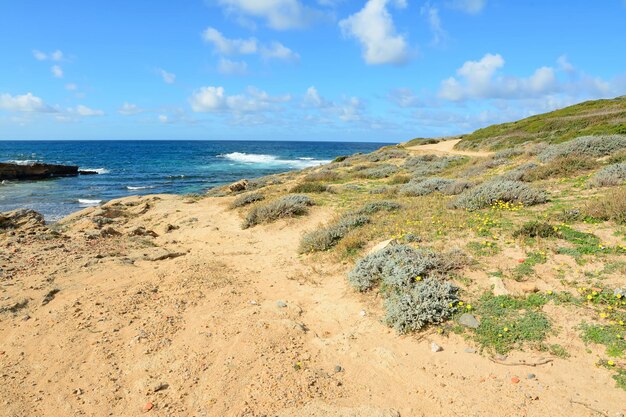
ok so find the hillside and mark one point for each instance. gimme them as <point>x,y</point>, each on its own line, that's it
<point>597,117</point>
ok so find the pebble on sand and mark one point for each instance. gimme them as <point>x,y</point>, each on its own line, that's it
<point>435,347</point>
<point>515,380</point>
<point>148,406</point>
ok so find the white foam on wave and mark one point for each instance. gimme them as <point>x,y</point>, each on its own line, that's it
<point>23,161</point>
<point>87,202</point>
<point>98,170</point>
<point>263,159</point>
<point>132,188</point>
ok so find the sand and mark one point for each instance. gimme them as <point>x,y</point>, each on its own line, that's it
<point>208,319</point>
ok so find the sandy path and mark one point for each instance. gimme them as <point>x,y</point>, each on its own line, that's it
<point>446,147</point>
<point>204,334</point>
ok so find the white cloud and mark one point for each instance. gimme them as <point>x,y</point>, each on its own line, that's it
<point>373,27</point>
<point>349,109</point>
<point>163,118</point>
<point>71,87</point>
<point>564,64</point>
<point>313,99</point>
<point>479,80</point>
<point>228,67</point>
<point>468,6</point>
<point>23,103</point>
<point>52,56</point>
<point>278,14</point>
<point>57,71</point>
<point>227,46</point>
<point>85,111</point>
<point>128,109</point>
<point>277,50</point>
<point>214,99</point>
<point>168,77</point>
<point>434,21</point>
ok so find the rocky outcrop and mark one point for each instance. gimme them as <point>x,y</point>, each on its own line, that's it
<point>36,171</point>
<point>22,218</point>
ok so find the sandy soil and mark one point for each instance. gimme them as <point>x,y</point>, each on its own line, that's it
<point>446,147</point>
<point>207,319</point>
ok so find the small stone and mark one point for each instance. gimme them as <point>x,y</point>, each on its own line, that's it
<point>162,386</point>
<point>532,376</point>
<point>78,391</point>
<point>470,350</point>
<point>253,302</point>
<point>500,357</point>
<point>515,380</point>
<point>362,313</point>
<point>147,407</point>
<point>435,347</point>
<point>468,320</point>
<point>338,368</point>
<point>281,304</point>
<point>26,317</point>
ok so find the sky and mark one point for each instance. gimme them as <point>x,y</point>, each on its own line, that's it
<point>330,70</point>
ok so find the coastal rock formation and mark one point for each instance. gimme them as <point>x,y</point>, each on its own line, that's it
<point>22,218</point>
<point>36,171</point>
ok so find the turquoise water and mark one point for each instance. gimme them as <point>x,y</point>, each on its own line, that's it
<point>148,167</point>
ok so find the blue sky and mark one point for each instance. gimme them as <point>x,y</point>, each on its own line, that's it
<point>377,70</point>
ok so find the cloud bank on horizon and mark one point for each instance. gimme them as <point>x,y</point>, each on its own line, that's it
<point>375,70</point>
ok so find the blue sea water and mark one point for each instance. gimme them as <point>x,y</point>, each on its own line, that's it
<point>149,167</point>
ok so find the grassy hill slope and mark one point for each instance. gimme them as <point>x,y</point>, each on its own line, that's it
<point>595,117</point>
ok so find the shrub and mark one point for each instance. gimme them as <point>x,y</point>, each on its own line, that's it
<point>508,153</point>
<point>327,237</point>
<point>610,175</point>
<point>499,190</point>
<point>608,207</point>
<point>288,206</point>
<point>321,175</point>
<point>430,301</point>
<point>378,172</point>
<point>519,173</point>
<point>457,187</point>
<point>399,179</point>
<point>376,206</point>
<point>246,199</point>
<point>536,229</point>
<point>425,187</point>
<point>383,190</point>
<point>386,154</point>
<point>309,187</point>
<point>617,157</point>
<point>590,146</point>
<point>562,166</point>
<point>341,158</point>
<point>425,165</point>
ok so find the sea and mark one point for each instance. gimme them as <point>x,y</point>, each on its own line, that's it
<point>127,168</point>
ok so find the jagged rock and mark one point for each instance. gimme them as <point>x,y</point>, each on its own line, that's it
<point>21,218</point>
<point>36,171</point>
<point>498,286</point>
<point>109,232</point>
<point>238,186</point>
<point>382,245</point>
<point>468,320</point>
<point>142,231</point>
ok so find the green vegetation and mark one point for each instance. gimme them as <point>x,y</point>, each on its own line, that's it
<point>527,267</point>
<point>598,117</point>
<point>288,206</point>
<point>309,187</point>
<point>611,336</point>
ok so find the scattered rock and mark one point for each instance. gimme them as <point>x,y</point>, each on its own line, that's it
<point>21,218</point>
<point>147,407</point>
<point>26,317</point>
<point>468,320</point>
<point>163,256</point>
<point>362,313</point>
<point>78,391</point>
<point>171,227</point>
<point>238,186</point>
<point>253,302</point>
<point>142,231</point>
<point>528,288</point>
<point>382,245</point>
<point>434,347</point>
<point>532,376</point>
<point>470,350</point>
<point>161,386</point>
<point>281,304</point>
<point>14,307</point>
<point>49,296</point>
<point>498,286</point>
<point>515,380</point>
<point>109,232</point>
<point>338,368</point>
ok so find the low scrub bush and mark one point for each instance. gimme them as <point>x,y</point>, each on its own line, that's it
<point>387,154</point>
<point>608,207</point>
<point>376,206</point>
<point>457,187</point>
<point>430,301</point>
<point>536,229</point>
<point>246,199</point>
<point>321,175</point>
<point>340,158</point>
<point>562,166</point>
<point>425,186</point>
<point>519,173</point>
<point>508,153</point>
<point>399,179</point>
<point>425,165</point>
<point>589,146</point>
<point>617,157</point>
<point>499,190</point>
<point>288,206</point>
<point>610,175</point>
<point>327,237</point>
<point>377,172</point>
<point>309,187</point>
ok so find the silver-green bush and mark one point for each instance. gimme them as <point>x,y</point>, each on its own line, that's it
<point>591,146</point>
<point>610,175</point>
<point>246,199</point>
<point>425,165</point>
<point>519,173</point>
<point>430,301</point>
<point>376,206</point>
<point>386,154</point>
<point>288,206</point>
<point>419,187</point>
<point>327,237</point>
<point>490,192</point>
<point>378,172</point>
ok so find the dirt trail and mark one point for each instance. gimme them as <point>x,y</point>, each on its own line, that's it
<point>236,323</point>
<point>446,147</point>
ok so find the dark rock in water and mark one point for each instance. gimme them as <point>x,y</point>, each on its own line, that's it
<point>36,171</point>
<point>16,219</point>
<point>82,172</point>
